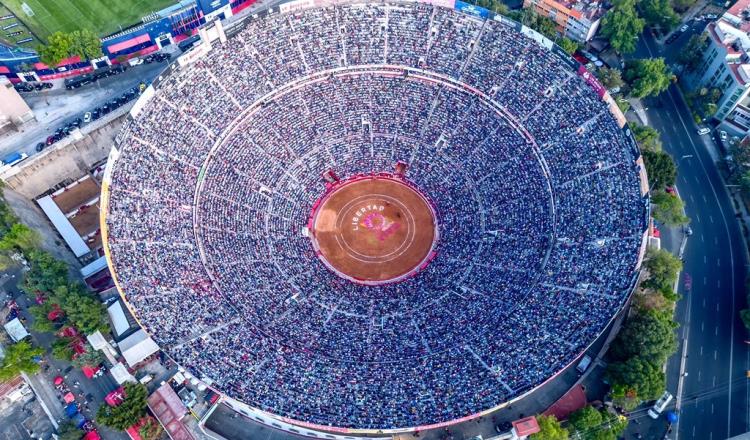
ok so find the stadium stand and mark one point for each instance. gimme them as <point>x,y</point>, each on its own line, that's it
<point>537,190</point>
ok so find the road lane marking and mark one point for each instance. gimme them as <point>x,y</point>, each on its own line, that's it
<point>701,350</point>
<point>715,354</point>
<point>705,281</point>
<point>711,218</point>
<point>716,332</point>
<point>717,309</point>
<point>698,218</point>
<point>691,198</point>
<point>705,200</point>
<point>702,240</point>
<point>705,259</point>
<point>718,284</point>
<point>704,304</point>
<point>718,262</point>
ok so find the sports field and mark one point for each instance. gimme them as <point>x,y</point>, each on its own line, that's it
<point>101,16</point>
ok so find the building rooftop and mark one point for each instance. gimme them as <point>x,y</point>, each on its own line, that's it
<point>589,9</point>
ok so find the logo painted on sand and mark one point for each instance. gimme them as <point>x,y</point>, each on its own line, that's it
<point>379,224</point>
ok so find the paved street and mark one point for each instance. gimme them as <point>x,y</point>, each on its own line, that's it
<point>56,107</point>
<point>715,400</point>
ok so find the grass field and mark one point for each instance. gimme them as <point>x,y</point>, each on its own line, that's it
<point>8,39</point>
<point>101,16</point>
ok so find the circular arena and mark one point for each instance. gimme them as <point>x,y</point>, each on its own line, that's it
<point>375,216</point>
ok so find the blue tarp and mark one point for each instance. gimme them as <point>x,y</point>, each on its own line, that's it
<point>71,410</point>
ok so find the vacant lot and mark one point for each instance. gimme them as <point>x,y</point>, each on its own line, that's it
<point>101,16</point>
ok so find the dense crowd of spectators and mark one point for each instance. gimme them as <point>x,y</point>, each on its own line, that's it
<point>536,188</point>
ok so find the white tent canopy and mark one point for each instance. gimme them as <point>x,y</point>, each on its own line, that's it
<point>137,347</point>
<point>16,330</point>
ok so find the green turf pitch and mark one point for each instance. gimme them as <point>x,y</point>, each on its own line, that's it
<point>101,16</point>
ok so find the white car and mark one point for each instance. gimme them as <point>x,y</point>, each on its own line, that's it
<point>87,117</point>
<point>704,130</point>
<point>711,16</point>
<point>684,28</point>
<point>723,135</point>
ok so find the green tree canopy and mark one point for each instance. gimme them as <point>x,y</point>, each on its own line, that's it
<point>568,45</point>
<point>69,431</point>
<point>86,44</point>
<point>682,5</point>
<point>549,429</point>
<point>19,237</point>
<point>19,357</point>
<point>659,13</point>
<point>638,378</point>
<point>745,316</point>
<point>62,349</point>
<point>127,413</point>
<point>647,77</point>
<point>539,23</point>
<point>40,321</point>
<point>661,169</point>
<point>46,274</point>
<point>82,309</point>
<point>668,209</point>
<point>59,46</point>
<point>150,430</point>
<point>590,423</point>
<point>609,77</point>
<point>648,138</point>
<point>662,268</point>
<point>622,26</point>
<point>650,335</point>
<point>691,54</point>
<point>493,5</point>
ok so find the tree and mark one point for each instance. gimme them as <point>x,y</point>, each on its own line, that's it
<point>69,431</point>
<point>539,23</point>
<point>86,44</point>
<point>682,5</point>
<point>59,46</point>
<point>90,357</point>
<point>46,274</point>
<point>691,54</point>
<point>637,377</point>
<point>649,335</point>
<point>151,429</point>
<point>585,420</point>
<point>129,412</point>
<point>41,322</point>
<point>568,45</point>
<point>83,311</point>
<point>19,357</point>
<point>622,26</point>
<point>609,77</point>
<point>647,77</point>
<point>660,168</point>
<point>662,268</point>
<point>590,423</point>
<point>659,13</point>
<point>62,349</point>
<point>493,5</point>
<point>647,137</point>
<point>549,429</point>
<point>668,209</point>
<point>20,237</point>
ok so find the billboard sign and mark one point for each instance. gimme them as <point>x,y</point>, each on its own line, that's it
<point>471,9</point>
<point>592,81</point>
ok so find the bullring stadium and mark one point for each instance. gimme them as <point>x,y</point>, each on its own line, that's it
<point>375,216</point>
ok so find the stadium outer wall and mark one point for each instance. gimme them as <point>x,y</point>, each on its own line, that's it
<point>215,30</point>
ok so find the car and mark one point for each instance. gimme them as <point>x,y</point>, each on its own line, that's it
<point>87,117</point>
<point>711,16</point>
<point>50,140</point>
<point>703,130</point>
<point>723,135</point>
<point>47,85</point>
<point>40,146</point>
<point>96,114</point>
<point>672,37</point>
<point>660,405</point>
<point>57,137</point>
<point>688,231</point>
<point>684,28</point>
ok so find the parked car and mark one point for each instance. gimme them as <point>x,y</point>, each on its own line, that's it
<point>723,135</point>
<point>87,117</point>
<point>96,114</point>
<point>40,146</point>
<point>672,37</point>
<point>703,130</point>
<point>684,28</point>
<point>50,140</point>
<point>711,17</point>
